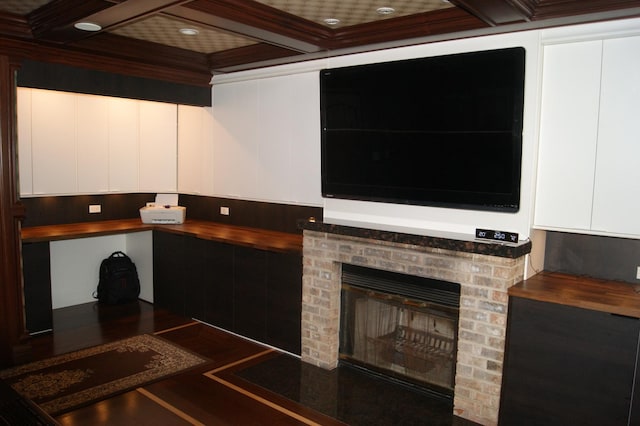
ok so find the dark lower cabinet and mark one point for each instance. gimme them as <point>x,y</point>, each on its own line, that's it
<point>218,284</point>
<point>250,293</point>
<point>255,293</point>
<point>284,301</point>
<point>37,286</point>
<point>568,366</point>
<point>169,271</point>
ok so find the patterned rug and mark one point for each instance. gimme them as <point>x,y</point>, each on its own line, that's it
<point>71,380</point>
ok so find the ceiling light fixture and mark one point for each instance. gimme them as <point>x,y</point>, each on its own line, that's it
<point>332,21</point>
<point>87,26</point>
<point>385,10</point>
<point>189,31</point>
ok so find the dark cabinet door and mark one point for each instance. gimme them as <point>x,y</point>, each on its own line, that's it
<point>193,280</point>
<point>169,271</point>
<point>284,300</point>
<point>566,365</point>
<point>37,286</point>
<point>250,292</point>
<point>217,259</point>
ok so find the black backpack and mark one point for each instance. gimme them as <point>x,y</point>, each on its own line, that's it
<point>119,281</point>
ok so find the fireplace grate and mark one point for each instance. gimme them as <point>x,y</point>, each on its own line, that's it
<point>420,288</point>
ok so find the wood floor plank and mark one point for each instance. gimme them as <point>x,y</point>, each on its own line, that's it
<point>131,408</point>
<point>213,403</point>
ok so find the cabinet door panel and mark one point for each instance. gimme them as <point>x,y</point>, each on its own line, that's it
<point>568,129</point>
<point>93,144</point>
<point>169,271</point>
<point>567,365</point>
<point>37,286</point>
<point>158,147</point>
<point>194,280</point>
<point>218,277</point>
<point>284,301</point>
<point>616,205</point>
<point>123,145</point>
<point>53,142</point>
<point>249,293</point>
<point>24,140</point>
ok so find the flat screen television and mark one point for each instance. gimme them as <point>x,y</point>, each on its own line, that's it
<point>442,131</point>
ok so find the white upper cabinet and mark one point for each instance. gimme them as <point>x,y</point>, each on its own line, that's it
<point>92,144</point>
<point>588,178</point>
<point>269,129</point>
<point>24,140</point>
<point>568,134</point>
<point>195,150</point>
<point>53,142</point>
<point>72,143</point>
<point>158,147</point>
<point>616,200</point>
<point>123,144</point>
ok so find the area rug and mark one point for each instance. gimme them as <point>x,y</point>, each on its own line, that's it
<point>71,380</point>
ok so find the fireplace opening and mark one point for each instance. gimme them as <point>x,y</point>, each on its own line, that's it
<point>402,326</point>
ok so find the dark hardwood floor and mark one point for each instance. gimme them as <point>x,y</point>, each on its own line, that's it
<point>244,383</point>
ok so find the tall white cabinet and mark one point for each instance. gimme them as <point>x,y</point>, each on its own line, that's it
<point>92,144</point>
<point>588,177</point>
<point>195,150</point>
<point>124,152</point>
<point>53,142</point>
<point>158,166</point>
<point>616,196</point>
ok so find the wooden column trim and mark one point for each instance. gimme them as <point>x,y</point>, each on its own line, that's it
<point>13,334</point>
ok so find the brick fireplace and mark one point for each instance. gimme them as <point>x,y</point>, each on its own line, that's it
<point>484,271</point>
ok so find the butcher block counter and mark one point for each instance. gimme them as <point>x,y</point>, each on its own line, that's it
<point>205,230</point>
<point>581,292</point>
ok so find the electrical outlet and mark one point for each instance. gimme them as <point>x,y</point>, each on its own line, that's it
<point>638,273</point>
<point>224,211</point>
<point>95,208</point>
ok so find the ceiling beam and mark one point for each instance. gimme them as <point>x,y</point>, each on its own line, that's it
<point>54,21</point>
<point>497,12</point>
<point>257,21</point>
<point>442,21</point>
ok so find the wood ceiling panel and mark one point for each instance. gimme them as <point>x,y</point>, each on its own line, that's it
<point>243,34</point>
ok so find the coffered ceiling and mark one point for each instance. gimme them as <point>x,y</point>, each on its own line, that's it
<point>142,37</point>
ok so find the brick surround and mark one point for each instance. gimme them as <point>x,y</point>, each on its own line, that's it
<point>484,280</point>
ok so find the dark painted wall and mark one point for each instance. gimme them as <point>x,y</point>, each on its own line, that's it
<point>65,78</point>
<point>74,209</point>
<point>594,256</point>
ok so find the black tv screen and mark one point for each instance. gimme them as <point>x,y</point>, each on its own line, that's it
<point>441,131</point>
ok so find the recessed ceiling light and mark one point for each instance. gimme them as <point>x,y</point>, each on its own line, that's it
<point>385,10</point>
<point>332,21</point>
<point>87,26</point>
<point>189,31</point>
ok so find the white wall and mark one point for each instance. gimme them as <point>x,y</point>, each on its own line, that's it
<point>267,139</point>
<point>257,112</point>
<point>75,265</point>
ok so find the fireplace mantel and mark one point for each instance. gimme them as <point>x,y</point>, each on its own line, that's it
<point>447,241</point>
<point>484,270</point>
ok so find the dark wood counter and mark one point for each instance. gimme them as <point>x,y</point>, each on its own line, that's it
<point>242,236</point>
<point>582,292</point>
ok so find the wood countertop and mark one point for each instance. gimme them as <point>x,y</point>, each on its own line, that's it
<point>237,235</point>
<point>582,292</point>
